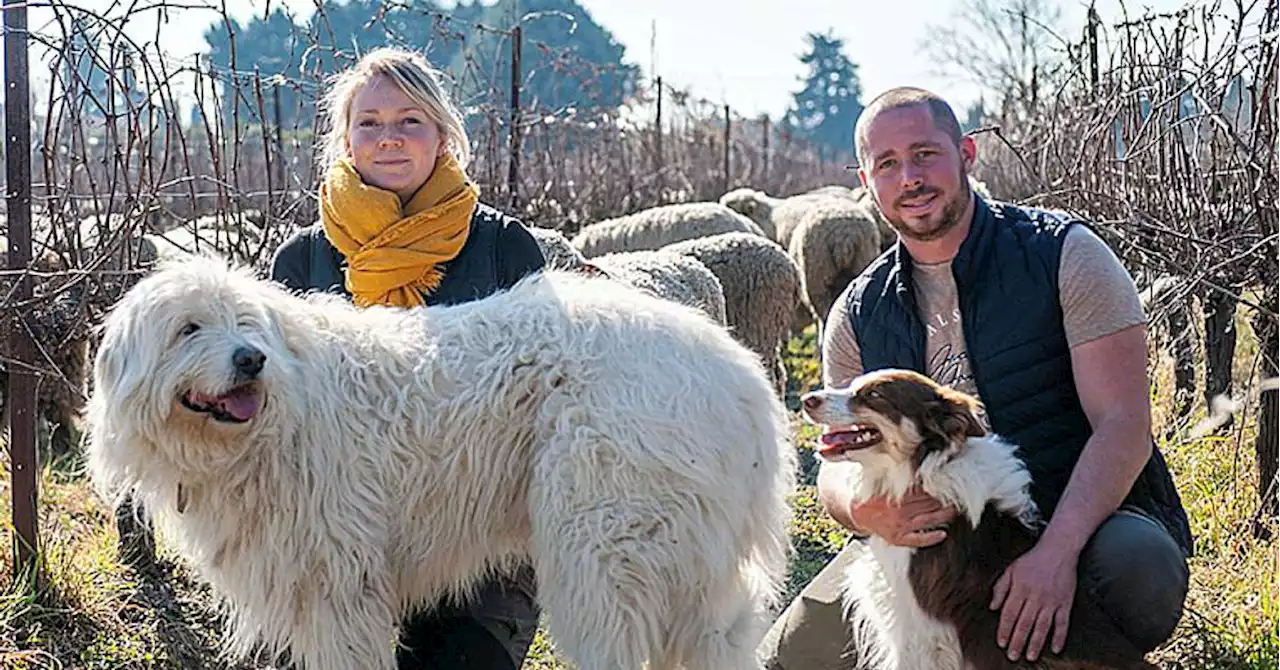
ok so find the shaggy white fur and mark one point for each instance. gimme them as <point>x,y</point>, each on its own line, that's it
<point>383,459</point>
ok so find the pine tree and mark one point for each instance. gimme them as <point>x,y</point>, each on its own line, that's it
<point>825,110</point>
<point>974,116</point>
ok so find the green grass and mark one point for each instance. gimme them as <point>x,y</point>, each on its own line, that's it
<point>92,612</point>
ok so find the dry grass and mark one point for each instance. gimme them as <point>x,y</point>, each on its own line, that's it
<point>93,612</point>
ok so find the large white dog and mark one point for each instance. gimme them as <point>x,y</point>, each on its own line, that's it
<point>327,469</point>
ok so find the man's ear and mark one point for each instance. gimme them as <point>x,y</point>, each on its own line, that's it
<point>968,152</point>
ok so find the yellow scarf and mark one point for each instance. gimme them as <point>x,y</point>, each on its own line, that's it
<point>392,253</point>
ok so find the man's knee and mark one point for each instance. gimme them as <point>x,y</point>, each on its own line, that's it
<point>1139,576</point>
<point>811,633</point>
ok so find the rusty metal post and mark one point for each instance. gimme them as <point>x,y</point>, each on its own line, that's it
<point>727,131</point>
<point>513,174</point>
<point>657,147</point>
<point>22,381</point>
<point>764,178</point>
<point>1092,40</point>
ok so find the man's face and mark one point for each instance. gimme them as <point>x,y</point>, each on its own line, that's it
<point>917,174</point>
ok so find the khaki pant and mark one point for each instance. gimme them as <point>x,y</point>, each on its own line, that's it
<point>812,633</point>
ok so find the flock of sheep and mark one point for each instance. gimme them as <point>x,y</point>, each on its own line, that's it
<point>764,267</point>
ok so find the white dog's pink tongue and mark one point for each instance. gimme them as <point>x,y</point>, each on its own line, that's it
<point>243,405</point>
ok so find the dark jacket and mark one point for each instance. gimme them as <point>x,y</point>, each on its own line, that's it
<point>499,251</point>
<point>1006,274</point>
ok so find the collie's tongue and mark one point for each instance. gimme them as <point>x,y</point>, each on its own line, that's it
<point>854,438</point>
<point>841,438</point>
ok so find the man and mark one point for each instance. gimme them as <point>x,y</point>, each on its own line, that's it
<point>1035,315</point>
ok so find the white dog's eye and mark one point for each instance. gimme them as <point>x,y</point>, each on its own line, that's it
<point>189,329</point>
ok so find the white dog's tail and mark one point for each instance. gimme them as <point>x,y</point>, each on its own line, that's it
<point>761,575</point>
<point>767,564</point>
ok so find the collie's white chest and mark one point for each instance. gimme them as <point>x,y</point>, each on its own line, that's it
<point>890,631</point>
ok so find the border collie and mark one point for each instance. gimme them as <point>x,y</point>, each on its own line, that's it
<point>914,609</point>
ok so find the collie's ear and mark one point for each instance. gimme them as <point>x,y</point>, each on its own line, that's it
<point>948,421</point>
<point>960,413</point>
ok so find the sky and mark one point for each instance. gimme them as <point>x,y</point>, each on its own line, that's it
<point>743,52</point>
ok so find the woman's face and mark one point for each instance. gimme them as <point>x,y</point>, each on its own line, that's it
<point>391,140</point>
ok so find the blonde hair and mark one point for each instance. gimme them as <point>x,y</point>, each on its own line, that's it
<point>415,76</point>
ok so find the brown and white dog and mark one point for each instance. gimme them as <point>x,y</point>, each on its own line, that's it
<point>928,608</point>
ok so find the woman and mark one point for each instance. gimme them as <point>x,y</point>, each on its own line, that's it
<point>400,224</point>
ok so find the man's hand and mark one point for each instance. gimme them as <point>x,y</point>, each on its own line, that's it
<point>1034,596</point>
<point>916,522</point>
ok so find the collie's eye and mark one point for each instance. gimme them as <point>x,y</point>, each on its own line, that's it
<point>189,329</point>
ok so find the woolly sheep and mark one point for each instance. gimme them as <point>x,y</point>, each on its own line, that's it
<point>831,245</point>
<point>836,190</point>
<point>653,228</point>
<point>754,205</point>
<point>665,275</point>
<point>558,251</point>
<point>682,279</point>
<point>761,291</point>
<point>781,215</point>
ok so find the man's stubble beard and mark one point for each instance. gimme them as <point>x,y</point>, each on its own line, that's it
<point>947,219</point>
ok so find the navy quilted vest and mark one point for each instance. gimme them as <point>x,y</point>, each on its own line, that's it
<point>1016,344</point>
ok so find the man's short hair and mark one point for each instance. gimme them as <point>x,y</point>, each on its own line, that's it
<point>906,96</point>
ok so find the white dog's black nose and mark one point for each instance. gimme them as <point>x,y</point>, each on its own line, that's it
<point>248,361</point>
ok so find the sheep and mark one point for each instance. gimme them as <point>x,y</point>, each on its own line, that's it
<point>682,279</point>
<point>761,291</point>
<point>557,250</point>
<point>754,205</point>
<point>781,215</point>
<point>831,245</point>
<point>844,234</point>
<point>835,190</point>
<point>658,226</point>
<point>670,276</point>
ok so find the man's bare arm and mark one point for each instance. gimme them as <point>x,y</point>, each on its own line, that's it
<point>1111,380</point>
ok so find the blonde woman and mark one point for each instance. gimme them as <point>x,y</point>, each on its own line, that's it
<point>400,224</point>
